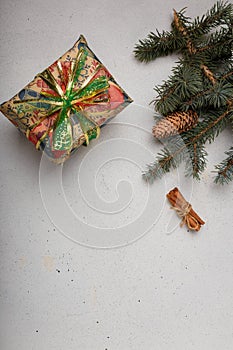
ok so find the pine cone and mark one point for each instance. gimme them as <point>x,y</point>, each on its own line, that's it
<point>175,123</point>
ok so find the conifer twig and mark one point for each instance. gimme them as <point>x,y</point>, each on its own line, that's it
<point>201,82</point>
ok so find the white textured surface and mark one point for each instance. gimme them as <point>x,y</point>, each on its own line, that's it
<point>164,291</point>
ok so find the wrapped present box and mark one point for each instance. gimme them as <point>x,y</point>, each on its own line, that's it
<point>65,105</point>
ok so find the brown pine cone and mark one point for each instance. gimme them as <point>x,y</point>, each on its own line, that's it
<point>175,123</point>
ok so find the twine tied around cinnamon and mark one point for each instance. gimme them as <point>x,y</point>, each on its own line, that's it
<point>184,210</point>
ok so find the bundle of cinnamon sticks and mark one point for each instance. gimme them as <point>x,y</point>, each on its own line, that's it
<point>184,210</point>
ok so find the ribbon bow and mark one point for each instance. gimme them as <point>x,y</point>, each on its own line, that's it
<point>187,218</point>
<point>67,100</point>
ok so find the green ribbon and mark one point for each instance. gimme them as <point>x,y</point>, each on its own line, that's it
<point>67,103</point>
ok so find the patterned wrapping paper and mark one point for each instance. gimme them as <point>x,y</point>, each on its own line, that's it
<point>65,105</point>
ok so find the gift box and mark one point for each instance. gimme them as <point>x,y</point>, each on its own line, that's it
<point>65,105</point>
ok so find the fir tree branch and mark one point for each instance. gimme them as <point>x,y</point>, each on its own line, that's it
<point>182,148</point>
<point>225,169</point>
<point>185,82</point>
<point>208,129</point>
<point>161,44</point>
<point>196,160</point>
<point>215,95</point>
<point>208,73</point>
<point>168,158</point>
<point>228,75</point>
<point>180,25</point>
<point>217,45</point>
<point>214,39</point>
<point>201,82</point>
<point>220,14</point>
<point>156,45</point>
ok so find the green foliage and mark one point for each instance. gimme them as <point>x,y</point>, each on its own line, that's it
<point>225,169</point>
<point>156,45</point>
<point>188,147</point>
<point>219,14</point>
<point>202,81</point>
<point>162,44</point>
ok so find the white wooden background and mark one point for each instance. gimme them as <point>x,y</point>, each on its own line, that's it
<point>163,287</point>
